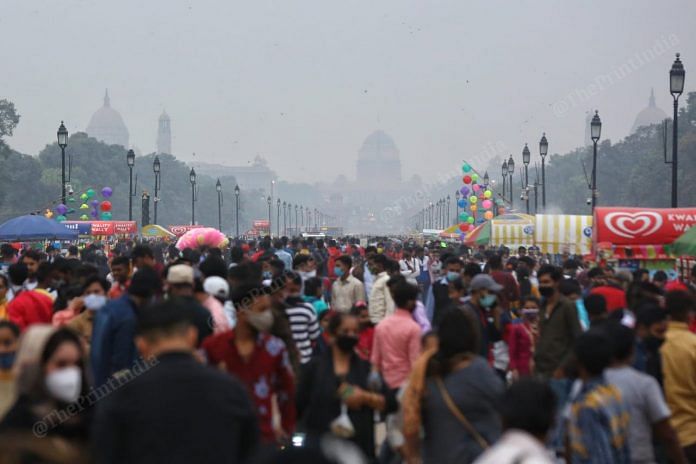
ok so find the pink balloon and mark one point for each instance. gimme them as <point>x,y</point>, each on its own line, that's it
<point>477,187</point>
<point>487,204</point>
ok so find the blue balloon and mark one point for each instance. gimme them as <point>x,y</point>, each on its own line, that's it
<point>462,203</point>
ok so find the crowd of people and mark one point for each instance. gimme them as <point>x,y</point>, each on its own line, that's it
<point>297,350</point>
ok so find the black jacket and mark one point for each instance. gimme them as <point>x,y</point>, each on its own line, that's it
<point>177,411</point>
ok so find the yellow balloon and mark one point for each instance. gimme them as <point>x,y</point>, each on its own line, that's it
<point>473,208</point>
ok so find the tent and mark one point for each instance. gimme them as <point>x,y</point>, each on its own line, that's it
<point>27,228</point>
<point>559,233</point>
<point>512,230</point>
<point>451,232</point>
<point>481,235</point>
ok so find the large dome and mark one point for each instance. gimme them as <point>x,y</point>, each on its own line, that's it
<point>650,115</point>
<point>379,146</point>
<point>107,125</point>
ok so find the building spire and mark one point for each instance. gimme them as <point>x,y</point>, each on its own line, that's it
<point>651,102</point>
<point>107,100</point>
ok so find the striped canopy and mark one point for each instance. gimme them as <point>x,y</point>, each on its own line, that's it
<point>559,233</point>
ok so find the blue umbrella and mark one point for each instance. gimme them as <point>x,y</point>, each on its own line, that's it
<point>26,228</point>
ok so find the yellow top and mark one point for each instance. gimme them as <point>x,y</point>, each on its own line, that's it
<point>679,370</point>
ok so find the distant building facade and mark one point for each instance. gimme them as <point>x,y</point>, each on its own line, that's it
<point>378,166</point>
<point>106,125</point>
<point>164,134</point>
<point>257,176</point>
<point>649,115</point>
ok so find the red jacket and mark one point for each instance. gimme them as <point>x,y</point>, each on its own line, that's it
<point>615,297</point>
<point>333,254</point>
<point>30,307</point>
<point>520,347</point>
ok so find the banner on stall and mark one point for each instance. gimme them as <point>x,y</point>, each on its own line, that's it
<point>102,227</point>
<point>181,229</point>
<point>642,226</point>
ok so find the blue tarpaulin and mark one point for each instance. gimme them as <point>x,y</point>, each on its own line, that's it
<point>25,228</point>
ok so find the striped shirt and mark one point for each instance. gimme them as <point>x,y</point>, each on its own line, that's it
<point>303,325</point>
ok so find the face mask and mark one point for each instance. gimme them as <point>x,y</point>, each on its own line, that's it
<point>267,275</point>
<point>7,360</point>
<point>346,343</point>
<point>338,271</point>
<point>262,321</point>
<point>308,275</point>
<point>65,384</point>
<point>488,301</point>
<point>452,276</point>
<point>547,292</point>
<point>94,302</point>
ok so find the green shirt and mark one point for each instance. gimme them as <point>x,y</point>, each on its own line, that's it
<point>557,334</point>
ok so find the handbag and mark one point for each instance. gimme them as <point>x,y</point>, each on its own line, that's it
<point>456,412</point>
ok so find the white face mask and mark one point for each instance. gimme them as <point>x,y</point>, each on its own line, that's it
<point>94,302</point>
<point>65,384</point>
<point>308,275</point>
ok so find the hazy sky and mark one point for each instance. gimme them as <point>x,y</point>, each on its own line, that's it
<point>302,83</point>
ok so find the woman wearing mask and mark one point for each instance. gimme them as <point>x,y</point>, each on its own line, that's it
<point>333,394</point>
<point>451,397</point>
<point>79,315</point>
<point>522,338</point>
<point>9,341</point>
<point>50,376</point>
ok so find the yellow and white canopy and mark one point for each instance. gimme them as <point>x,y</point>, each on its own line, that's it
<point>559,233</point>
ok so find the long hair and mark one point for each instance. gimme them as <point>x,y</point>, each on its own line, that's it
<point>459,337</point>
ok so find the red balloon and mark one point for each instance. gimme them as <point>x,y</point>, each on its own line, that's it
<point>463,227</point>
<point>105,205</point>
<point>467,179</point>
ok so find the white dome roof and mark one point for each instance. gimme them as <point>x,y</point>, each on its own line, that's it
<point>379,145</point>
<point>107,125</point>
<point>650,115</point>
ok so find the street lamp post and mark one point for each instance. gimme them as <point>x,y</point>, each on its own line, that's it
<point>302,215</point>
<point>236,212</point>
<point>505,173</point>
<point>218,188</point>
<point>285,223</point>
<point>456,206</point>
<point>297,223</point>
<point>511,171</point>
<point>269,200</point>
<point>676,87</point>
<point>448,211</point>
<point>543,151</point>
<point>595,133</point>
<point>278,218</point>
<point>156,167</point>
<point>289,218</point>
<point>130,161</point>
<point>62,143</point>
<point>526,157</point>
<point>192,178</point>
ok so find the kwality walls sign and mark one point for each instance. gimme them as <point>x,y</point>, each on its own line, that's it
<point>102,227</point>
<point>641,226</point>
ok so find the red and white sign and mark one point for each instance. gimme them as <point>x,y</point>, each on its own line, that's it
<point>642,226</point>
<point>261,224</point>
<point>104,227</point>
<point>181,230</point>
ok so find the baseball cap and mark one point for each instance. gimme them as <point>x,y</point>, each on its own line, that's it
<point>484,281</point>
<point>216,286</point>
<point>180,274</point>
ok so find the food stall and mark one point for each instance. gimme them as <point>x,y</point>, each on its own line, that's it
<point>512,230</point>
<point>563,233</point>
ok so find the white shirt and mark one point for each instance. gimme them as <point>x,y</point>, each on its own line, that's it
<point>410,268</point>
<point>516,446</point>
<point>381,303</point>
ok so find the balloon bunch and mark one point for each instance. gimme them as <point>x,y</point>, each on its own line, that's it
<point>89,202</point>
<point>202,236</point>
<point>476,203</point>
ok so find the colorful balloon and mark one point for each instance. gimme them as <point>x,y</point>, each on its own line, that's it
<point>107,192</point>
<point>463,227</point>
<point>89,193</point>
<point>488,215</point>
<point>71,200</point>
<point>487,194</point>
<point>61,209</point>
<point>474,177</point>
<point>105,216</point>
<point>94,213</point>
<point>467,179</point>
<point>84,206</point>
<point>466,167</point>
<point>501,211</point>
<point>473,208</point>
<point>487,204</point>
<point>471,227</point>
<point>105,205</point>
<point>462,203</point>
<point>473,199</point>
<point>464,190</point>
<point>476,187</point>
<point>60,218</point>
<point>84,197</point>
<point>84,217</point>
<point>463,216</point>
<point>470,220</point>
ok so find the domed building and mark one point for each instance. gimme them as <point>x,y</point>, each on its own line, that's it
<point>107,125</point>
<point>378,164</point>
<point>650,115</point>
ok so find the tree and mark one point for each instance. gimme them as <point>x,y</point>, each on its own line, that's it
<point>9,118</point>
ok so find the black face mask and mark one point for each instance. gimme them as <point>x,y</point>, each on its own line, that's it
<point>346,343</point>
<point>547,292</point>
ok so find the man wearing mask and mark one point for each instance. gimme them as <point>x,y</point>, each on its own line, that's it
<point>381,303</point>
<point>559,327</point>
<point>651,328</point>
<point>409,266</point>
<point>483,307</point>
<point>34,306</point>
<point>304,324</point>
<point>438,299</point>
<point>305,266</point>
<point>346,291</point>
<point>259,360</point>
<point>31,260</point>
<point>113,334</point>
